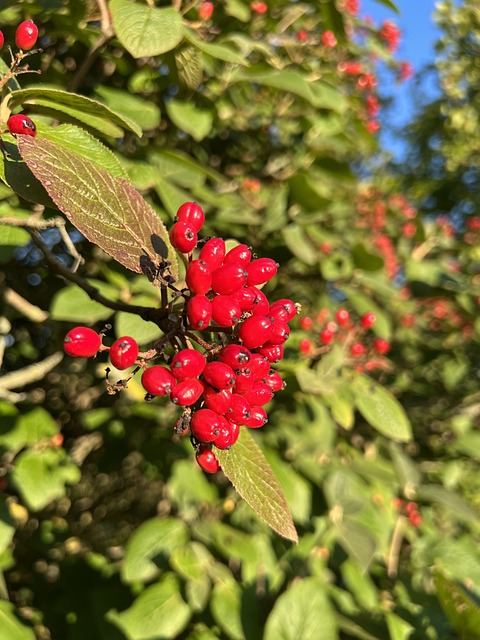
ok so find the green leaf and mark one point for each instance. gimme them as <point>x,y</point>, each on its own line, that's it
<point>90,112</point>
<point>151,544</point>
<point>460,608</point>
<point>159,612</point>
<point>219,51</point>
<point>226,608</point>
<point>389,4</point>
<point>381,409</point>
<point>146,30</point>
<point>249,472</point>
<point>26,430</point>
<point>144,113</point>
<point>41,476</point>
<point>10,626</point>
<point>189,66</point>
<point>73,304</point>
<point>129,324</point>
<point>300,244</point>
<point>15,173</point>
<point>11,238</point>
<point>303,611</point>
<point>398,628</point>
<point>107,210</point>
<point>187,117</point>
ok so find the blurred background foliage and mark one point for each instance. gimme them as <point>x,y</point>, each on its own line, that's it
<point>266,114</point>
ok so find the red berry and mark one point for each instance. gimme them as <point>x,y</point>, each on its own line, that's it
<point>206,425</point>
<point>259,7</point>
<point>306,323</point>
<point>228,435</point>
<point>258,394</point>
<point>192,212</point>
<point>188,363</point>
<point>243,380</point>
<point>183,237</point>
<point>274,381</point>
<point>358,349</point>
<point>240,409</point>
<point>381,346</point>
<point>158,381</point>
<point>23,125</point>
<point>82,342</point>
<point>213,252</point>
<point>258,417</point>
<point>2,39</point>
<point>368,320</point>
<point>205,11</point>
<point>206,459</point>
<point>198,277</point>
<point>226,311</point>
<point>26,35</point>
<point>218,401</point>
<point>327,336</point>
<point>199,312</point>
<point>274,352</point>
<point>259,366</point>
<point>342,317</point>
<point>305,345</point>
<point>123,352</point>
<point>241,254</point>
<point>329,39</point>
<point>260,304</point>
<point>219,375</point>
<point>228,278</point>
<point>280,333</point>
<point>288,306</point>
<point>246,297</point>
<point>261,270</point>
<point>235,356</point>
<point>255,331</point>
<point>186,392</point>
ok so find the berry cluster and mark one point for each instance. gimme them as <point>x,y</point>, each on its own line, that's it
<point>410,510</point>
<point>228,383</point>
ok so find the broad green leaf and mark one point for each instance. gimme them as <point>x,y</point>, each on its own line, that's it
<point>90,112</point>
<point>298,492</point>
<point>302,612</point>
<point>150,545</point>
<point>460,608</point>
<point>249,472</point>
<point>357,541</point>
<point>158,612</point>
<point>381,409</point>
<point>219,51</point>
<point>360,585</point>
<point>10,626</point>
<point>191,561</point>
<point>238,10</point>
<point>189,118</point>
<point>144,112</point>
<point>189,66</point>
<point>174,165</point>
<point>129,324</point>
<point>73,304</point>
<point>450,500</point>
<point>299,244</point>
<point>145,30</point>
<point>107,210</point>
<point>398,628</point>
<point>41,476</point>
<point>366,260</point>
<point>10,239</point>
<point>226,608</point>
<point>27,429</point>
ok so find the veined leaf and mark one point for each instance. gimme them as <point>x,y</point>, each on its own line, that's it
<point>219,51</point>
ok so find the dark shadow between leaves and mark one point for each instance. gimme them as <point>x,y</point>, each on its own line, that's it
<point>159,246</point>
<point>21,179</point>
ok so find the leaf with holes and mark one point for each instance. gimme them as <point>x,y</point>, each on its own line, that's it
<point>251,475</point>
<point>106,209</point>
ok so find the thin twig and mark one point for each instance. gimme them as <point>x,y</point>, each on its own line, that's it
<point>26,308</point>
<point>395,546</point>
<point>31,373</point>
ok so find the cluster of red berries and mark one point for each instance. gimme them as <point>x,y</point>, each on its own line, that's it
<point>390,33</point>
<point>342,329</point>
<point>410,510</point>
<point>228,384</point>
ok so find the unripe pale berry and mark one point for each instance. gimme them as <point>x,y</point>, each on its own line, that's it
<point>23,125</point>
<point>82,342</point>
<point>255,331</point>
<point>183,237</point>
<point>198,277</point>
<point>158,381</point>
<point>199,312</point>
<point>192,212</point>
<point>186,392</point>
<point>123,352</point>
<point>213,252</point>
<point>188,363</point>
<point>26,35</point>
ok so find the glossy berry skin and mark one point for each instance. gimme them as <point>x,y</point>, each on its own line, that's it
<point>274,352</point>
<point>158,381</point>
<point>342,317</point>
<point>259,366</point>
<point>260,304</point>
<point>213,252</point>
<point>187,363</point>
<point>124,352</point>
<point>23,125</point>
<point>228,278</point>
<point>305,323</point>
<point>226,311</point>
<point>258,418</point>
<point>205,11</point>
<point>228,435</point>
<point>241,254</point>
<point>206,425</point>
<point>82,342</point>
<point>199,312</point>
<point>326,336</point>
<point>288,306</point>
<point>206,459</point>
<point>261,270</point>
<point>255,331</point>
<point>192,212</point>
<point>183,237</point>
<point>246,297</point>
<point>258,394</point>
<point>368,320</point>
<point>219,401</point>
<point>26,35</point>
<point>243,380</point>
<point>235,356</point>
<point>198,277</point>
<point>240,409</point>
<point>280,333</point>
<point>2,39</point>
<point>381,346</point>
<point>186,392</point>
<point>274,380</point>
<point>219,375</point>
<point>358,349</point>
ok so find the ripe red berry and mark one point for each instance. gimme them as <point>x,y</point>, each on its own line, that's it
<point>206,424</point>
<point>289,307</point>
<point>219,375</point>
<point>274,380</point>
<point>23,125</point>
<point>259,366</point>
<point>261,304</point>
<point>228,278</point>
<point>205,11</point>
<point>258,394</point>
<point>2,39</point>
<point>259,7</point>
<point>158,381</point>
<point>280,333</point>
<point>261,270</point>
<point>188,363</point>
<point>226,311</point>
<point>235,356</point>
<point>305,345</point>
<point>326,336</point>
<point>358,349</point>
<point>198,277</point>
<point>183,237</point>
<point>255,331</point>
<point>82,342</point>
<point>274,352</point>
<point>213,252</point>
<point>239,410</point>
<point>243,380</point>
<point>329,39</point>
<point>206,459</point>
<point>219,401</point>
<point>199,312</point>
<point>241,254</point>
<point>123,352</point>
<point>192,212</point>
<point>186,392</point>
<point>228,435</point>
<point>342,317</point>
<point>26,35</point>
<point>306,323</point>
<point>381,346</point>
<point>368,320</point>
<point>246,297</point>
<point>258,418</point>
